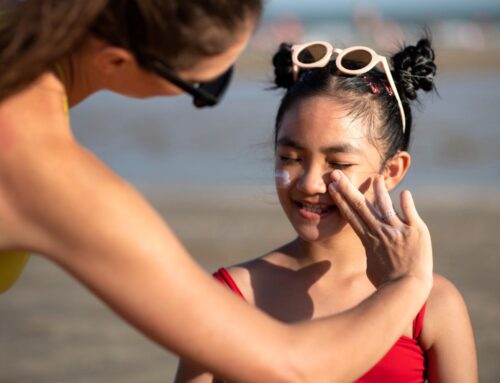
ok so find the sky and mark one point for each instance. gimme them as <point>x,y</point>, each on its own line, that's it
<point>394,7</point>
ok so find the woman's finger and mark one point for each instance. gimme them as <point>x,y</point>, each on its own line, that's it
<point>384,202</point>
<point>356,200</point>
<point>349,214</point>
<point>408,208</point>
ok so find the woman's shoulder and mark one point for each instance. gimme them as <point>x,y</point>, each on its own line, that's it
<point>33,122</point>
<point>444,305</point>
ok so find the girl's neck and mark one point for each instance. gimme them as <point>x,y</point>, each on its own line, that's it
<point>344,250</point>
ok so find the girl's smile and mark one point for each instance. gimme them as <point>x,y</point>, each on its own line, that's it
<point>315,211</point>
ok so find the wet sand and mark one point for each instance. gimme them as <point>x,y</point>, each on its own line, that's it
<point>53,330</point>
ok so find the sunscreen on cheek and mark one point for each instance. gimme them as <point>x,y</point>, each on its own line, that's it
<point>282,178</point>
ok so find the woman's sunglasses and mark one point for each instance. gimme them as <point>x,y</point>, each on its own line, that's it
<point>204,93</point>
<point>352,61</point>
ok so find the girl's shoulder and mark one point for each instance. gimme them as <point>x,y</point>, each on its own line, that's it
<point>239,279</point>
<point>444,305</point>
<point>444,297</point>
<point>245,275</point>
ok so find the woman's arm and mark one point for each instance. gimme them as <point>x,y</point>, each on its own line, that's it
<point>57,199</point>
<point>448,332</point>
<point>189,372</point>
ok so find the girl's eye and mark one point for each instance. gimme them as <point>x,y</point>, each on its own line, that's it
<point>340,166</point>
<point>286,159</point>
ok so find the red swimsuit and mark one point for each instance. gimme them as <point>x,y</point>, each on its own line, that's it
<point>404,363</point>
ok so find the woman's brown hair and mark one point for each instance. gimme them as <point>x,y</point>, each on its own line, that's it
<point>36,34</point>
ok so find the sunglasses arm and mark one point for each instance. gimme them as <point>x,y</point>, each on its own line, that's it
<point>387,71</point>
<point>185,86</point>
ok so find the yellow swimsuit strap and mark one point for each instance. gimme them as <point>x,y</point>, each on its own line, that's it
<point>12,263</point>
<point>11,266</point>
<point>62,77</point>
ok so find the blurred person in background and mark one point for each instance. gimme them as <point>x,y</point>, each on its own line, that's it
<point>342,115</point>
<point>60,201</point>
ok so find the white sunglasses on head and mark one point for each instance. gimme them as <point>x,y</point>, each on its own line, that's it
<point>353,61</point>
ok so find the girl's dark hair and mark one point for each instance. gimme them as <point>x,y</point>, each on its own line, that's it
<point>367,96</point>
<point>36,34</point>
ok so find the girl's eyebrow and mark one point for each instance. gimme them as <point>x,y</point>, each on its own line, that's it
<point>344,147</point>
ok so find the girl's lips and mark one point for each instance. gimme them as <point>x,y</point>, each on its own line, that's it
<point>315,212</point>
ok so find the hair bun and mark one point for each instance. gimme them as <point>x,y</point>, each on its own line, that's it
<point>283,67</point>
<point>415,68</point>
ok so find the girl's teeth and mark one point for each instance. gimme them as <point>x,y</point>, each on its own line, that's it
<point>314,209</point>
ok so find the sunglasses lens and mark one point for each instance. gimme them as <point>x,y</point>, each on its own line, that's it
<point>213,89</point>
<point>357,59</point>
<point>312,53</point>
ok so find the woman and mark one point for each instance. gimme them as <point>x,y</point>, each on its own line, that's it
<point>58,200</point>
<point>344,115</point>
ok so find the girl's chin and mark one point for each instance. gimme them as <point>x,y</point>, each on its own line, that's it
<point>310,238</point>
<point>324,231</point>
<point>315,234</point>
<point>316,231</point>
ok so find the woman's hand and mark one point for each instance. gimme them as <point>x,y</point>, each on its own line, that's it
<point>396,246</point>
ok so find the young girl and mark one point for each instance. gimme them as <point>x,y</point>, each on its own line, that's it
<point>342,114</point>
<point>60,201</point>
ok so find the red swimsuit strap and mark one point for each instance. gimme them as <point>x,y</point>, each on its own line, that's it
<point>418,322</point>
<point>223,276</point>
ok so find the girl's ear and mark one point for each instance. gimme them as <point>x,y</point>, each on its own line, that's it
<point>395,169</point>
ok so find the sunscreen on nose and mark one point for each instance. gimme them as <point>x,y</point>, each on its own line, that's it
<point>282,178</point>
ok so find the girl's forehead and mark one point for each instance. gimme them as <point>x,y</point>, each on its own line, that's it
<point>320,121</point>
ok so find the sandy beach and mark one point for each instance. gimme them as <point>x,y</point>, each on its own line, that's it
<point>53,330</point>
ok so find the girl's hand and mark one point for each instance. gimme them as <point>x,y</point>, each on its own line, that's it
<point>396,246</point>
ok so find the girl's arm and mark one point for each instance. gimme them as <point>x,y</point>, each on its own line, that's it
<point>58,200</point>
<point>448,332</point>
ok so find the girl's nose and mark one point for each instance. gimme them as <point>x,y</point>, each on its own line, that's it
<point>312,182</point>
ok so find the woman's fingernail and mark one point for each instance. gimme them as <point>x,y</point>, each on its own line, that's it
<point>336,176</point>
<point>333,187</point>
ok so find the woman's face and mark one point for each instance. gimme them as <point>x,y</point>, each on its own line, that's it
<point>131,80</point>
<point>316,137</point>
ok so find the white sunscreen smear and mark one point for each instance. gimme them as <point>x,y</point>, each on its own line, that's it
<point>282,178</point>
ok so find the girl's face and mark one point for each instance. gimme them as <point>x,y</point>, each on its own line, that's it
<point>316,137</point>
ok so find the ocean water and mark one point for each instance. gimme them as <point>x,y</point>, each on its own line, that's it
<point>166,142</point>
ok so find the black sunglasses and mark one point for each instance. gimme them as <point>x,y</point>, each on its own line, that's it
<point>204,93</point>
